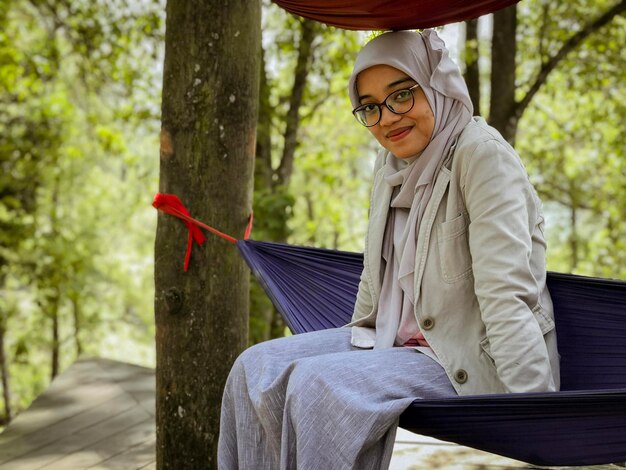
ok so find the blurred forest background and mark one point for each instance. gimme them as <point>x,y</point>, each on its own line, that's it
<point>80,84</point>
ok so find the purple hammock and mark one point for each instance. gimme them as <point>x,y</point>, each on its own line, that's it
<point>583,424</point>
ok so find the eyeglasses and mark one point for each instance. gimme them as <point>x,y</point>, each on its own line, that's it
<point>398,102</point>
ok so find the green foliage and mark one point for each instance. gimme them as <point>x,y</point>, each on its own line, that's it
<point>333,175</point>
<point>328,136</point>
<point>78,135</point>
<point>575,152</point>
<point>572,134</point>
<point>325,162</point>
<point>79,109</point>
<point>545,26</point>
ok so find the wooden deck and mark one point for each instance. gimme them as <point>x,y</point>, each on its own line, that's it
<point>99,414</point>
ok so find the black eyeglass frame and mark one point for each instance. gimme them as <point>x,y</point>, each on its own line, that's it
<point>380,105</point>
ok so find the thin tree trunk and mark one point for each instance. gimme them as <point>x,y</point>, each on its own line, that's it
<point>278,325</point>
<point>262,313</point>
<point>573,238</point>
<point>336,240</point>
<point>613,233</point>
<point>6,391</point>
<point>209,112</point>
<point>573,226</point>
<point>56,342</point>
<point>285,170</point>
<point>52,305</point>
<point>76,316</point>
<point>263,163</point>
<point>503,51</point>
<point>305,52</point>
<point>310,212</point>
<point>472,71</point>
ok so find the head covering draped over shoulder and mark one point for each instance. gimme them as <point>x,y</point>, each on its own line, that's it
<point>424,58</point>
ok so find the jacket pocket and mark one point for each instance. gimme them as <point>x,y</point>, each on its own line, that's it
<point>454,254</point>
<point>546,323</point>
<point>486,347</point>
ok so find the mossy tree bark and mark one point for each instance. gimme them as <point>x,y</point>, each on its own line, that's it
<point>209,111</point>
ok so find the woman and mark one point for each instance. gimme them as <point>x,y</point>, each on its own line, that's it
<point>452,298</point>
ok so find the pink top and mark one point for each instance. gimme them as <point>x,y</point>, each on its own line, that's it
<point>416,340</point>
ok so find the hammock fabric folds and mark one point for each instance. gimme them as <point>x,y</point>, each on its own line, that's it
<point>391,14</point>
<point>584,424</point>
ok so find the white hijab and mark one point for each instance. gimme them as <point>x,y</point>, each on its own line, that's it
<point>424,58</point>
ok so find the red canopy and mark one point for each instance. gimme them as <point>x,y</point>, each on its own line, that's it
<point>391,14</point>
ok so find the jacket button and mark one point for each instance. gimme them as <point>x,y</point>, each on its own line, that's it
<point>460,376</point>
<point>428,323</point>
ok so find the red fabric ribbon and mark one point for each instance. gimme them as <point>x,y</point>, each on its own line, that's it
<point>170,204</point>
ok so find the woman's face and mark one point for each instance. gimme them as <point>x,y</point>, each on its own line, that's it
<point>404,135</point>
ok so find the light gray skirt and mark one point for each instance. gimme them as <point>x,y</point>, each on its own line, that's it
<point>314,401</point>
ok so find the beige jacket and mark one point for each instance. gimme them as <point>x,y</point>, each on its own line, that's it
<point>480,277</point>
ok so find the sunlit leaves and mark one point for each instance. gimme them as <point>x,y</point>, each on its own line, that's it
<point>79,97</point>
<point>572,139</point>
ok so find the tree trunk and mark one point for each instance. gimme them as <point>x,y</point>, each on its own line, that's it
<point>262,311</point>
<point>76,314</point>
<point>281,177</point>
<point>305,53</point>
<point>472,71</point>
<point>4,367</point>
<point>310,212</point>
<point>573,240</point>
<point>56,341</point>
<point>263,163</point>
<point>51,305</point>
<point>209,110</point>
<point>503,50</point>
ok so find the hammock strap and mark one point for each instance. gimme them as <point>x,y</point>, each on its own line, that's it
<point>171,204</point>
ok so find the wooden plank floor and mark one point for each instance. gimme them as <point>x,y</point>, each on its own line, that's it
<point>99,414</point>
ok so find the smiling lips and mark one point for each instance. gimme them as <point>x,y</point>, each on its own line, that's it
<point>399,133</point>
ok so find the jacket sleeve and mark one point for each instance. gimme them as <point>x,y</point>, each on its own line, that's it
<point>364,303</point>
<point>503,210</point>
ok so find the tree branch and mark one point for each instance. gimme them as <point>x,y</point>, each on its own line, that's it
<point>556,193</point>
<point>567,47</point>
<point>315,106</point>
